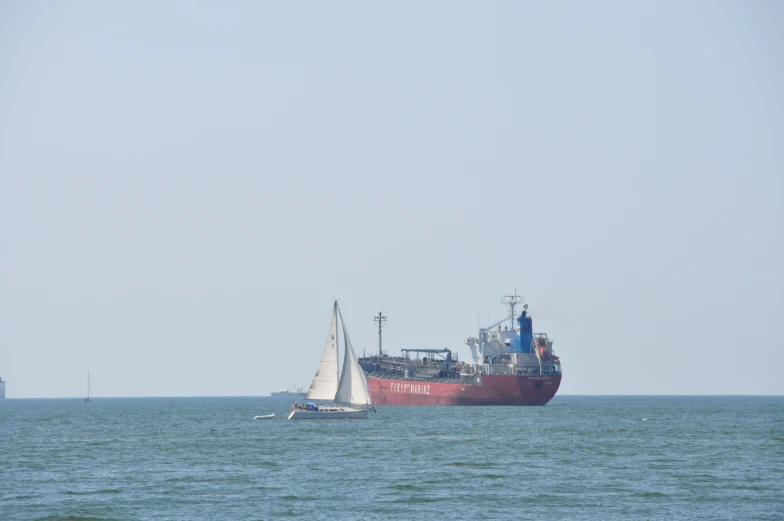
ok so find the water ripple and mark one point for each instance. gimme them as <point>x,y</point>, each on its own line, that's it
<point>577,458</point>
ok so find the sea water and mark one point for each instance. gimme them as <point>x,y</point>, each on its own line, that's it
<point>576,458</point>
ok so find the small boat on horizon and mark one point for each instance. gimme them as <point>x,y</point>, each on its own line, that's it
<point>89,397</point>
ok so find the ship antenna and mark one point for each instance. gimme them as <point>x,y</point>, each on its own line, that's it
<point>512,301</point>
<point>381,319</point>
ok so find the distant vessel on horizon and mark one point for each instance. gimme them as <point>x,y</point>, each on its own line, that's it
<point>89,397</point>
<point>2,389</point>
<point>299,393</point>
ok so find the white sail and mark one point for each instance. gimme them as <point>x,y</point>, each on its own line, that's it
<point>352,389</point>
<point>325,383</point>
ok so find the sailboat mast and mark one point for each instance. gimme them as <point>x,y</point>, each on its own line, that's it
<point>88,398</point>
<point>337,343</point>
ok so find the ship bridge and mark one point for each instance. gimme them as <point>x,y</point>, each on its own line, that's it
<point>508,349</point>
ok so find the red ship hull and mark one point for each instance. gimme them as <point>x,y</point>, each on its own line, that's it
<point>494,390</point>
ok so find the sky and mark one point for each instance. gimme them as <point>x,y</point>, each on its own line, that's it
<point>185,188</point>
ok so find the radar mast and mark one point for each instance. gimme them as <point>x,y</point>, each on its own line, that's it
<point>512,301</point>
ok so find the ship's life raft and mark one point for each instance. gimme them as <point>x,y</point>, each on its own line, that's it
<point>541,346</point>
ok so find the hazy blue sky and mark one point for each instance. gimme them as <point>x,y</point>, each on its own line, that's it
<point>186,186</point>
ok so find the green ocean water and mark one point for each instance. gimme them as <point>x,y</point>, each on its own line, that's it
<point>576,458</point>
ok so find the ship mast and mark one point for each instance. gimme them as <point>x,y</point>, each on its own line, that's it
<point>512,301</point>
<point>381,321</point>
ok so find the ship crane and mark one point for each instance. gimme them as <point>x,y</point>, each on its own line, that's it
<point>488,328</point>
<point>478,345</point>
<point>381,319</point>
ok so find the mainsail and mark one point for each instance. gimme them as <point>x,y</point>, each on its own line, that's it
<point>352,389</point>
<point>325,383</point>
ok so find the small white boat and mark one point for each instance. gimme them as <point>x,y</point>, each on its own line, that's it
<point>265,417</point>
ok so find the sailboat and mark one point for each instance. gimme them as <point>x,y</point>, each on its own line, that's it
<point>348,394</point>
<point>89,390</point>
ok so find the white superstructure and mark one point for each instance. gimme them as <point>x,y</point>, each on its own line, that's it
<point>514,349</point>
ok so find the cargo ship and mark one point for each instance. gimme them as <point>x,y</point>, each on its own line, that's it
<point>2,389</point>
<point>511,365</point>
<point>299,393</point>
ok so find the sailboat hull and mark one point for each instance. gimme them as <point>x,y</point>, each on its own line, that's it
<point>329,414</point>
